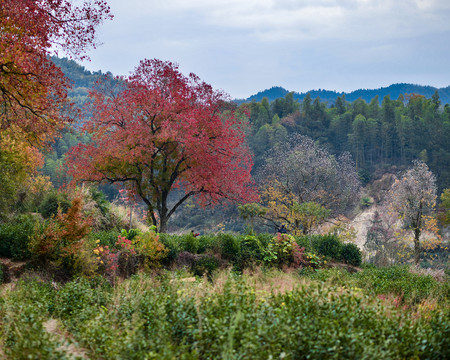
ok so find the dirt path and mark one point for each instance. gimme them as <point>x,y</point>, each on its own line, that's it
<point>54,327</point>
<point>361,224</point>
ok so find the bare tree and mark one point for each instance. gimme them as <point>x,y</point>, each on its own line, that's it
<point>413,197</point>
<point>380,239</point>
<point>300,171</point>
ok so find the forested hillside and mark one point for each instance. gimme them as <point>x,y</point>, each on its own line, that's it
<point>328,96</point>
<point>378,137</point>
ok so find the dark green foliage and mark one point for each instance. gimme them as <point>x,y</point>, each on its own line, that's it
<point>130,234</point>
<point>330,246</point>
<point>230,247</point>
<point>205,265</point>
<point>251,252</point>
<point>189,243</point>
<point>82,298</point>
<point>15,237</point>
<point>173,245</point>
<point>52,202</point>
<point>351,254</point>
<point>106,237</point>
<point>1,274</point>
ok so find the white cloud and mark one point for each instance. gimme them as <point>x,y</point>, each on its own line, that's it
<point>244,46</point>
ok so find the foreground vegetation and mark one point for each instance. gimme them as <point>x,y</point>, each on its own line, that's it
<point>377,313</point>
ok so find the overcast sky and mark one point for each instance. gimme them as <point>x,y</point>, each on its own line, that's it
<point>245,46</point>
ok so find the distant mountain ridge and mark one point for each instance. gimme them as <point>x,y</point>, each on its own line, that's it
<point>330,96</point>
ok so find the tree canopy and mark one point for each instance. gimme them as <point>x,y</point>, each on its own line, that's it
<point>32,89</point>
<point>158,131</point>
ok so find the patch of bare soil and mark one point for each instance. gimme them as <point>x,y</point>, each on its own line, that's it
<point>12,269</point>
<point>54,327</point>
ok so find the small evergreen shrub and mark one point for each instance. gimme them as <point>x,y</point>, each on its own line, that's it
<point>173,246</point>
<point>330,246</point>
<point>351,254</point>
<point>208,243</point>
<point>229,247</point>
<point>190,243</point>
<point>15,237</point>
<point>53,201</point>
<point>251,252</point>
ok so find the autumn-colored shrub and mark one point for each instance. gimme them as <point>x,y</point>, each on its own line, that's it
<point>151,249</point>
<point>61,238</point>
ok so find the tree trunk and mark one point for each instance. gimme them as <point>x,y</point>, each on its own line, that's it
<point>163,224</point>
<point>417,246</point>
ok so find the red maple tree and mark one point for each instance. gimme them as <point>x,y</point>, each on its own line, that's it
<point>33,90</point>
<point>159,130</point>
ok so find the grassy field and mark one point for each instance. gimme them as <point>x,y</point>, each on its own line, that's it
<point>389,313</point>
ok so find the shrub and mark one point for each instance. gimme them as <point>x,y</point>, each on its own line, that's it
<point>173,246</point>
<point>309,242</point>
<point>330,246</point>
<point>209,243</point>
<point>53,202</point>
<point>190,243</point>
<point>105,237</point>
<point>130,234</point>
<point>61,238</point>
<point>279,250</point>
<point>250,252</point>
<point>351,254</point>
<point>399,281</point>
<point>15,237</point>
<point>205,265</point>
<point>152,250</point>
<point>229,247</point>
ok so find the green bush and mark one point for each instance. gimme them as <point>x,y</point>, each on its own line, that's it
<point>106,237</point>
<point>279,251</point>
<point>400,281</point>
<point>189,243</point>
<point>351,254</point>
<point>208,243</point>
<point>309,242</point>
<point>53,201</point>
<point>251,252</point>
<point>205,265</point>
<point>230,247</point>
<point>330,246</point>
<point>145,318</point>
<point>173,246</point>
<point>15,237</point>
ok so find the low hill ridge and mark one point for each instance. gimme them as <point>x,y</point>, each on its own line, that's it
<point>330,96</point>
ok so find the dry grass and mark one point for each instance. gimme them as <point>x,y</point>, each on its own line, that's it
<point>437,274</point>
